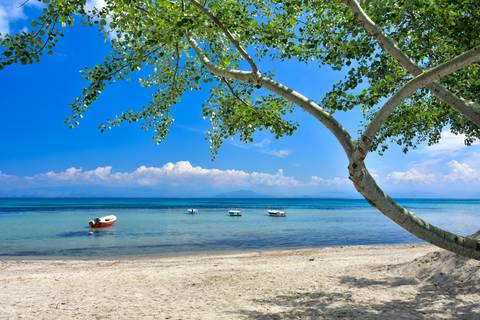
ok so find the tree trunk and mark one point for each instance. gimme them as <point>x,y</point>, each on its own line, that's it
<point>367,186</point>
<point>363,181</point>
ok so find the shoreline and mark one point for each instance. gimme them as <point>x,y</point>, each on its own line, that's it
<point>212,253</point>
<point>349,282</point>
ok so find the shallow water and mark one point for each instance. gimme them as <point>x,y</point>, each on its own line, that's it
<point>47,228</point>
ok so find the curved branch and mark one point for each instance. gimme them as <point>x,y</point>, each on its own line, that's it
<point>359,175</point>
<point>228,34</point>
<point>314,109</point>
<point>240,75</point>
<point>468,108</point>
<point>291,95</point>
<point>366,185</point>
<point>407,90</point>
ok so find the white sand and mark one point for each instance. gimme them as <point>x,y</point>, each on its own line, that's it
<point>375,282</point>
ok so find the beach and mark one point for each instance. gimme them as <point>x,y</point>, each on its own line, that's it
<point>356,282</point>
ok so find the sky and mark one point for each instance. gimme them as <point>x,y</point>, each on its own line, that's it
<point>41,156</point>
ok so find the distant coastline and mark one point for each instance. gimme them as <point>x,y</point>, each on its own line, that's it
<point>225,196</point>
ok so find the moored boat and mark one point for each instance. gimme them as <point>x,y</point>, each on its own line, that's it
<point>192,211</point>
<point>235,213</point>
<point>276,213</point>
<point>103,222</point>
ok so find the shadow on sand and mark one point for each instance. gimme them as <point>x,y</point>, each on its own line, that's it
<point>328,305</point>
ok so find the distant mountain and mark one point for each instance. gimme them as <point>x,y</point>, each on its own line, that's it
<point>241,194</point>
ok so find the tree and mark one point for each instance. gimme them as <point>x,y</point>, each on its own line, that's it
<point>412,74</point>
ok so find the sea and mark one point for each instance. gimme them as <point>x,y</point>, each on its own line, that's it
<point>42,228</point>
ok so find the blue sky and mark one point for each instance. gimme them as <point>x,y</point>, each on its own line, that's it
<point>40,156</point>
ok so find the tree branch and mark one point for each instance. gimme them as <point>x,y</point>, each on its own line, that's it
<point>297,98</point>
<point>314,109</point>
<point>177,64</point>
<point>232,90</point>
<point>228,34</point>
<point>359,175</point>
<point>366,185</point>
<point>434,74</point>
<point>23,3</point>
<point>468,108</point>
<point>240,75</point>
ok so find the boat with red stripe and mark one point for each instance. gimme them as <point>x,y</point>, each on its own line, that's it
<point>103,222</point>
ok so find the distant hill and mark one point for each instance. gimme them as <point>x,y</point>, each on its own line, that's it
<point>242,194</point>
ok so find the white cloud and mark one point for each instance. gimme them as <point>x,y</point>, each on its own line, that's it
<point>411,175</point>
<point>450,168</point>
<point>447,175</point>
<point>462,171</point>
<point>14,10</point>
<point>263,146</point>
<point>449,145</point>
<point>333,182</point>
<point>6,177</point>
<point>179,173</point>
<point>10,11</point>
<point>77,175</point>
<point>97,4</point>
<point>173,178</point>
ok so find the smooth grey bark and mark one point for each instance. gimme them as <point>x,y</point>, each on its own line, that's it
<point>367,186</point>
<point>468,108</point>
<point>358,173</point>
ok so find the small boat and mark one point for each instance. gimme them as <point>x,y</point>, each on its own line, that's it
<point>191,211</point>
<point>102,222</point>
<point>276,213</point>
<point>235,213</point>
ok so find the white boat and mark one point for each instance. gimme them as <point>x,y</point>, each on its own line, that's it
<point>235,213</point>
<point>276,213</point>
<point>192,211</point>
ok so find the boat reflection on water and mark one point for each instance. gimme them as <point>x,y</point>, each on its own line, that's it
<point>102,232</point>
<point>102,225</point>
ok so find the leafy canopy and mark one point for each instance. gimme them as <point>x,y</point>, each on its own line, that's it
<point>152,35</point>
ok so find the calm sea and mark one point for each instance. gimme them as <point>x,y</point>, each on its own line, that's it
<point>53,228</point>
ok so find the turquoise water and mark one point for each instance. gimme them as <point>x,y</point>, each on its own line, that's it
<point>46,228</point>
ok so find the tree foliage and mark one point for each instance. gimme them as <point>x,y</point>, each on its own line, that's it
<point>152,35</point>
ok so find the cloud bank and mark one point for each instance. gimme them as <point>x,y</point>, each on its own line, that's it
<point>171,179</point>
<point>447,169</point>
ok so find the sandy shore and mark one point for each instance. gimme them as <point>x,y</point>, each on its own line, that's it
<point>372,282</point>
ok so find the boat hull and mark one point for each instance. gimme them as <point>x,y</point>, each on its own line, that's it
<point>276,213</point>
<point>235,213</point>
<point>101,224</point>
